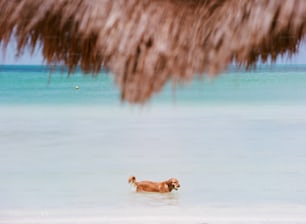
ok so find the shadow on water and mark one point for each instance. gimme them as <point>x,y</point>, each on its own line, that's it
<point>154,199</point>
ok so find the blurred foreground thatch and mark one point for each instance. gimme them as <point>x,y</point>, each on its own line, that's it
<point>145,43</point>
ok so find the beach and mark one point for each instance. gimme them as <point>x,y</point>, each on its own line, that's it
<point>237,145</point>
<point>211,214</point>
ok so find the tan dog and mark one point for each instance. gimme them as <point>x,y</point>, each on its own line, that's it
<point>149,186</point>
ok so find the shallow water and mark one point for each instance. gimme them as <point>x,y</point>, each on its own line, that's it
<point>62,161</point>
<point>56,159</point>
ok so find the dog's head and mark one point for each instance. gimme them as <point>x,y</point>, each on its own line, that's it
<point>173,183</point>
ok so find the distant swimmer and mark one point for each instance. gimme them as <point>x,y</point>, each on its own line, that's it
<point>77,87</point>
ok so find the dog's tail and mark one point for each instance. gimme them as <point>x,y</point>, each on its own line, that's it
<point>132,180</point>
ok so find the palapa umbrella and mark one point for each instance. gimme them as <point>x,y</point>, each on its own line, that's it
<point>145,43</point>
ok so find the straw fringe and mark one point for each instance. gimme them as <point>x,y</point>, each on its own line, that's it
<point>148,42</point>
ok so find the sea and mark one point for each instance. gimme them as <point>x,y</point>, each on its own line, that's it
<point>236,143</point>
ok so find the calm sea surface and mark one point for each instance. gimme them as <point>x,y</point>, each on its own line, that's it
<point>237,144</point>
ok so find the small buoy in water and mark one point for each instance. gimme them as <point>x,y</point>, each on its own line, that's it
<point>76,87</point>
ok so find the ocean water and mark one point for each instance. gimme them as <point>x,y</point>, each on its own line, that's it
<point>237,144</point>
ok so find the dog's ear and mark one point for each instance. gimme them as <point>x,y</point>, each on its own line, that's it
<point>170,185</point>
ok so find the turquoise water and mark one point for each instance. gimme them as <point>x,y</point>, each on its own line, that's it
<point>236,143</point>
<point>37,85</point>
<point>267,84</point>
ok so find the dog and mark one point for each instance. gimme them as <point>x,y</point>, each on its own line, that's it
<point>150,186</point>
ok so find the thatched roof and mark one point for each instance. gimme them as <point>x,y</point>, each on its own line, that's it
<point>148,42</point>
